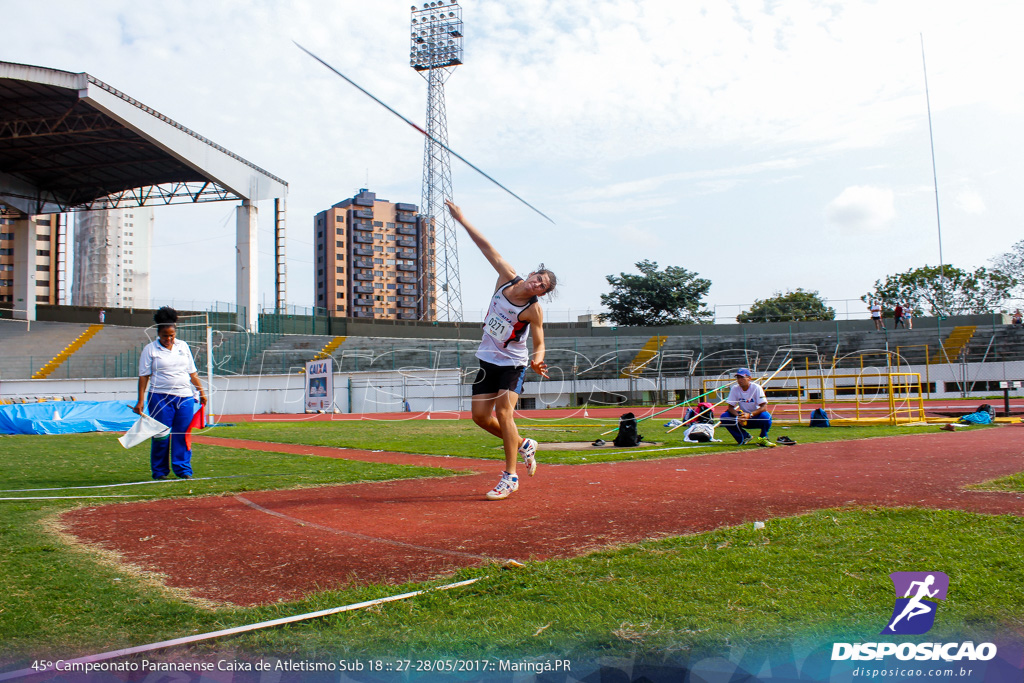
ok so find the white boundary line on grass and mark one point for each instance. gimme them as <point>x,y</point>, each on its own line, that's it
<point>21,673</point>
<point>106,486</point>
<point>148,481</point>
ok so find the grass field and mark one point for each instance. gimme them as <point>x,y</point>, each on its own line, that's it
<point>463,438</point>
<point>811,577</point>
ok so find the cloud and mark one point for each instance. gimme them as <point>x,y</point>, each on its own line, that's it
<point>969,201</point>
<point>862,209</point>
<point>622,77</point>
<point>635,237</point>
<point>710,179</point>
<point>661,116</point>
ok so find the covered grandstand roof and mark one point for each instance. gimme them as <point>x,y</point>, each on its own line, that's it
<point>69,141</point>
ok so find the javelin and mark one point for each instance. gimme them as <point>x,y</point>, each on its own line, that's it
<point>689,400</point>
<point>113,654</point>
<point>425,133</point>
<point>762,380</point>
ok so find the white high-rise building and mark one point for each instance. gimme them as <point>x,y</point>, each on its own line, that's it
<point>113,256</point>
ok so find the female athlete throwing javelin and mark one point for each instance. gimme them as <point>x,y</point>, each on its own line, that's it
<point>503,355</point>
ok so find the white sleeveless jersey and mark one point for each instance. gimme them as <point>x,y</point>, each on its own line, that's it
<point>504,339</point>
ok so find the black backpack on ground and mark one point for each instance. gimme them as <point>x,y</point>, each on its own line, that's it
<point>627,436</point>
<point>986,408</point>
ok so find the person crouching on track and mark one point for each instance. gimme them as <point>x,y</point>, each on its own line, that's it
<point>747,406</point>
<point>513,311</point>
<point>167,369</point>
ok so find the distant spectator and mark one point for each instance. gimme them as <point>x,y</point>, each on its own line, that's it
<point>908,316</point>
<point>1018,318</point>
<point>876,314</point>
<point>103,316</point>
<point>897,316</point>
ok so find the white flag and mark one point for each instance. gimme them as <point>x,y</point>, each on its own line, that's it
<point>145,428</point>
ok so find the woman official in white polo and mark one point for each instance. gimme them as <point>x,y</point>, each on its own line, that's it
<point>168,371</point>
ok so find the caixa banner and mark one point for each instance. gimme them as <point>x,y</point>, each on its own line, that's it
<point>319,394</point>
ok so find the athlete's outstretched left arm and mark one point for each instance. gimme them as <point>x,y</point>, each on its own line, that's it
<point>535,316</point>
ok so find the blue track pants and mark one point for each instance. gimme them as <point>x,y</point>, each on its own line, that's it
<point>176,412</point>
<point>762,422</point>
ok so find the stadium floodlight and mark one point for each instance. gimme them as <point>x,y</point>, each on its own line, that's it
<point>448,23</point>
<point>435,50</point>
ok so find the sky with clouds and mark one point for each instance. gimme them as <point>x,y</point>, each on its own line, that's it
<point>765,145</point>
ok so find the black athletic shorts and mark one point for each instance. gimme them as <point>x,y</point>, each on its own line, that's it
<point>495,378</point>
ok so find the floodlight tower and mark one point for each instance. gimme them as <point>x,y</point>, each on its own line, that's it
<point>435,50</point>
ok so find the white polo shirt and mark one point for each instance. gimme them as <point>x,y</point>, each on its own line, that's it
<point>748,400</point>
<point>168,369</point>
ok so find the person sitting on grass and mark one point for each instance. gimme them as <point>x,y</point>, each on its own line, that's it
<point>747,406</point>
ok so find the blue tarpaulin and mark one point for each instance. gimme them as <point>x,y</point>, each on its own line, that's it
<point>66,417</point>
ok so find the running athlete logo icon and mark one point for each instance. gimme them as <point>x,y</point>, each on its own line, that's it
<point>914,612</point>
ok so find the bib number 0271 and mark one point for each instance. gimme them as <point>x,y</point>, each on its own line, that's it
<point>498,328</point>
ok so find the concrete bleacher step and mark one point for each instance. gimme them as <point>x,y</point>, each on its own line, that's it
<point>114,351</point>
<point>25,348</point>
<point>328,350</point>
<point>647,353</point>
<point>953,345</point>
<point>66,353</point>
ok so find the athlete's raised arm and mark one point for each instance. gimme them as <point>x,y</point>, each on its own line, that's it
<point>505,271</point>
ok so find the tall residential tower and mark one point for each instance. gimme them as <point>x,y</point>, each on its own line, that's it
<point>374,259</point>
<point>113,252</point>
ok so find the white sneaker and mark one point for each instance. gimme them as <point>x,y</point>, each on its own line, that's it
<point>508,485</point>
<point>528,451</point>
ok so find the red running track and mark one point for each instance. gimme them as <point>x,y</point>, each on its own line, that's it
<point>261,547</point>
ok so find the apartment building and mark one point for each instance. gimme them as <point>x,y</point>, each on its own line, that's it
<point>49,259</point>
<point>374,259</point>
<point>113,258</point>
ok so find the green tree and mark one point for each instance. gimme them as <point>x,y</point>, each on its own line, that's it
<point>656,297</point>
<point>953,292</point>
<point>1012,264</point>
<point>794,305</point>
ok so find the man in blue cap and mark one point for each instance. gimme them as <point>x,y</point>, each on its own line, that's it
<point>747,406</point>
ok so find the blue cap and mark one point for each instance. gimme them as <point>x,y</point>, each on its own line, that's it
<point>743,372</point>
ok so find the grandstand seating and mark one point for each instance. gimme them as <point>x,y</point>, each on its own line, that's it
<point>113,352</point>
<point>24,349</point>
